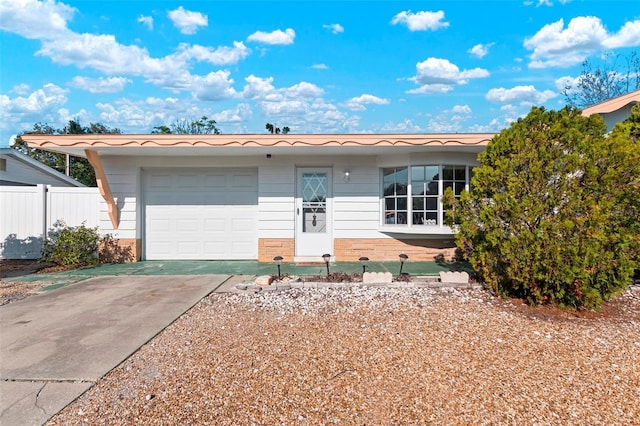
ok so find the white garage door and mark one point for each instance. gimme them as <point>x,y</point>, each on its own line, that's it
<point>201,214</point>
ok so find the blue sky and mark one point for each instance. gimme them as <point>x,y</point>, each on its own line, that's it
<point>317,67</point>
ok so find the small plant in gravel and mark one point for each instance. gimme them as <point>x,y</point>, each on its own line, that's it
<point>337,277</point>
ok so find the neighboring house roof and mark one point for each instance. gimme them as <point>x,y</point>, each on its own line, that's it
<point>21,170</point>
<point>613,104</point>
<point>252,144</point>
<point>614,110</point>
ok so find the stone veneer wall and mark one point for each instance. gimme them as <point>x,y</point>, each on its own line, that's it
<point>136,247</point>
<point>424,249</point>
<point>268,248</point>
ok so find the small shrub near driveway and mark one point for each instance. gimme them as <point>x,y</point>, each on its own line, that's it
<point>82,246</point>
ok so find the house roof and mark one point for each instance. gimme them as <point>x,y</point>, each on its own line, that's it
<point>252,144</point>
<point>613,104</point>
<point>42,174</point>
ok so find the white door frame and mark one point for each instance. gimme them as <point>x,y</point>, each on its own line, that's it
<point>315,237</point>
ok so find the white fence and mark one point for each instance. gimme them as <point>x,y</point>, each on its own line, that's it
<point>27,214</point>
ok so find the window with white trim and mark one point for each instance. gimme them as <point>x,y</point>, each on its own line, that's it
<point>412,195</point>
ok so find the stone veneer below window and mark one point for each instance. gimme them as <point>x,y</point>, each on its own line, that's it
<point>379,249</point>
<point>268,248</point>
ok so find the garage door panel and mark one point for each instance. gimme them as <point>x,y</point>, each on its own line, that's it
<point>201,214</point>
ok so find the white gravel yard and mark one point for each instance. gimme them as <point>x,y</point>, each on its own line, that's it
<point>377,356</point>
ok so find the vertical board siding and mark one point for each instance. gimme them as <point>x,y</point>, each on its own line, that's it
<point>74,206</point>
<point>27,213</point>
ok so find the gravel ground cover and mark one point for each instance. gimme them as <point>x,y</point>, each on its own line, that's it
<point>377,356</point>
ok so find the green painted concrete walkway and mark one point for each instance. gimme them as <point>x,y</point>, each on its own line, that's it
<point>237,267</point>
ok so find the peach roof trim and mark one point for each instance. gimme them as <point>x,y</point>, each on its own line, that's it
<point>100,140</point>
<point>612,104</point>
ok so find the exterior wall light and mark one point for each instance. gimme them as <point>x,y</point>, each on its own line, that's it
<point>363,261</point>
<point>403,258</point>
<point>278,260</point>
<point>347,175</point>
<point>326,257</point>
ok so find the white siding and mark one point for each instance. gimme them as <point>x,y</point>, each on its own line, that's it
<point>276,191</point>
<point>356,204</point>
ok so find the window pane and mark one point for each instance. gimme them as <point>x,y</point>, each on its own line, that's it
<point>402,203</point>
<point>418,203</point>
<point>417,188</point>
<point>401,189</point>
<point>417,173</point>
<point>401,218</point>
<point>432,203</point>
<point>447,173</point>
<point>389,190</point>
<point>459,187</point>
<point>460,173</point>
<point>446,185</point>
<point>432,187</point>
<point>432,216</point>
<point>431,173</point>
<point>390,204</point>
<point>418,218</point>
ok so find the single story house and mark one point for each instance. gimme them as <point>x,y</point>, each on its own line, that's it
<point>18,169</point>
<point>295,195</point>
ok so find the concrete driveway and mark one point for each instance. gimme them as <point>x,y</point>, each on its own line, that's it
<point>56,345</point>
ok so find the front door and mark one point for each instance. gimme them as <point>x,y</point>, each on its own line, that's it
<point>313,212</point>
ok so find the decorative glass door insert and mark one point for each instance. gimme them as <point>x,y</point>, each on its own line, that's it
<point>314,202</point>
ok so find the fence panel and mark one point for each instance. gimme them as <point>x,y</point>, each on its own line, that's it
<point>73,205</point>
<point>27,213</point>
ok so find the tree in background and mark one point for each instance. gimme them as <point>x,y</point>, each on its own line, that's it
<point>616,75</point>
<point>79,168</point>
<point>203,126</point>
<point>554,214</point>
<point>276,130</point>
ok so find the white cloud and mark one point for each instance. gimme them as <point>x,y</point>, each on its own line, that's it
<point>524,95</point>
<point>187,21</point>
<point>555,46</point>
<point>222,55</point>
<point>274,37</point>
<point>461,109</point>
<point>431,89</point>
<point>170,72</point>
<point>358,103</point>
<point>480,50</point>
<point>100,85</point>
<point>147,21</point>
<point>629,35</point>
<point>41,105</point>
<point>21,89</point>
<point>566,81</point>
<point>405,126</point>
<point>35,19</point>
<point>421,21</point>
<point>241,113</point>
<point>303,90</point>
<point>334,28</point>
<point>436,75</point>
<point>319,67</point>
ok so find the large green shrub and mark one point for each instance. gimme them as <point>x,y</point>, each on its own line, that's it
<point>554,211</point>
